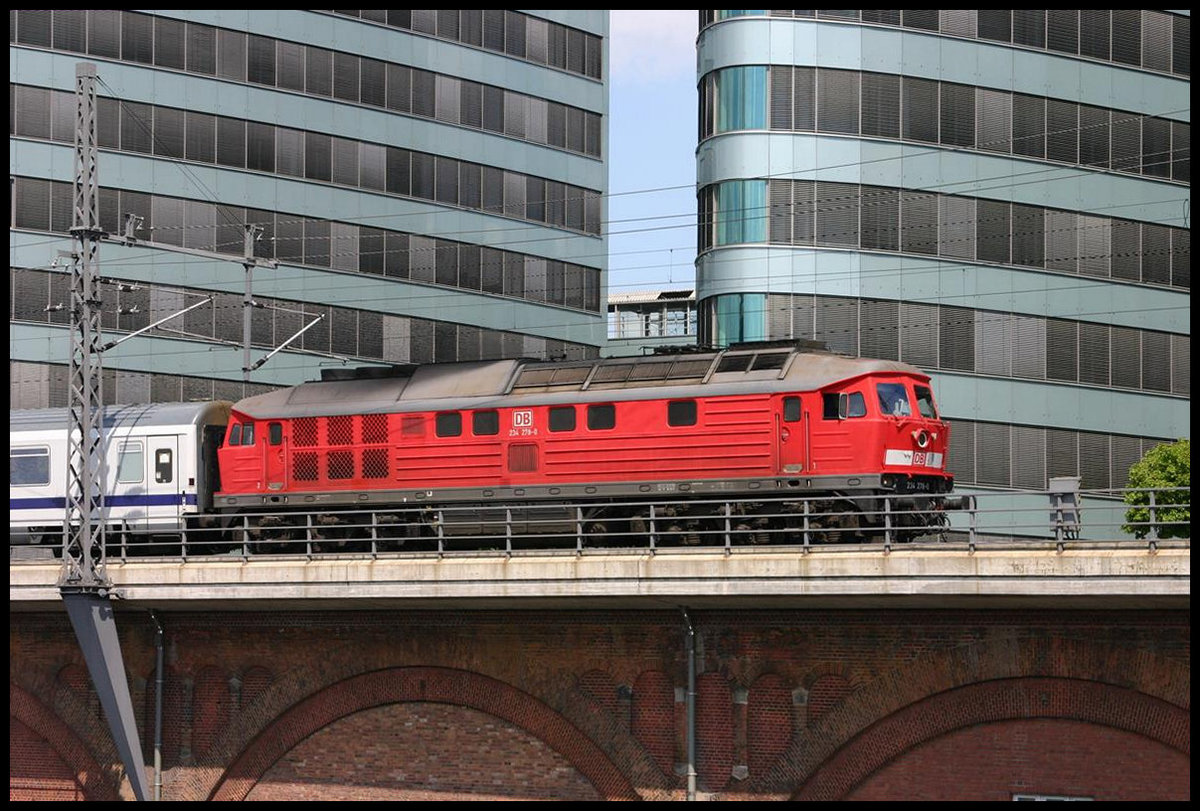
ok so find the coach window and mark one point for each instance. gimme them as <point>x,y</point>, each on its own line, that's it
<point>681,412</point>
<point>602,417</point>
<point>791,409</point>
<point>562,418</point>
<point>235,434</point>
<point>28,466</point>
<point>839,406</point>
<point>485,423</point>
<point>449,423</point>
<point>274,433</point>
<point>131,463</point>
<point>162,466</point>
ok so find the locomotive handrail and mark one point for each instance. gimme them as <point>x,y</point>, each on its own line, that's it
<point>1000,518</point>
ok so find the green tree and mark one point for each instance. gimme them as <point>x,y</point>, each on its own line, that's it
<point>1165,465</point>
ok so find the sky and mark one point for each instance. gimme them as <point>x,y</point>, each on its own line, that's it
<point>652,150</point>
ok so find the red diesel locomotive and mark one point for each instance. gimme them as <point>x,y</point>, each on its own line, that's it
<point>766,425</point>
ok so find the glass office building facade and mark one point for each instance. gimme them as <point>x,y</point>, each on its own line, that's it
<point>431,184</point>
<point>998,197</point>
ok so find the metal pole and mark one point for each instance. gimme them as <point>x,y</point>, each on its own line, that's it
<point>691,706</point>
<point>84,583</point>
<point>158,702</point>
<point>247,301</point>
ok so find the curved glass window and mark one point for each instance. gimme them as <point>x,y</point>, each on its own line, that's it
<point>741,98</point>
<point>740,317</point>
<point>741,212</point>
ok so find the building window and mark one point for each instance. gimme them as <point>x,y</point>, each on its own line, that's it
<point>740,213</point>
<point>741,99</point>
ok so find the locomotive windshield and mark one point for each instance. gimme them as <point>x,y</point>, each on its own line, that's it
<point>893,399</point>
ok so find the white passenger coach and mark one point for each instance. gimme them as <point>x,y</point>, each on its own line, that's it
<point>160,467</point>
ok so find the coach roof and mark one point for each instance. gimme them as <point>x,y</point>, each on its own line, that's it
<point>158,415</point>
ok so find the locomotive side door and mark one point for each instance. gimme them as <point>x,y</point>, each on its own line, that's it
<point>791,433</point>
<point>164,504</point>
<point>276,457</point>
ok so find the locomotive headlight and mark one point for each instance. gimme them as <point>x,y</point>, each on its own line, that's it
<point>921,437</point>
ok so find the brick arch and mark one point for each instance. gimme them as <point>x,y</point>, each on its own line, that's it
<point>92,781</point>
<point>428,684</point>
<point>990,702</point>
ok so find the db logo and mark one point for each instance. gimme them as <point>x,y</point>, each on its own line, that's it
<point>522,419</point>
<point>919,459</point>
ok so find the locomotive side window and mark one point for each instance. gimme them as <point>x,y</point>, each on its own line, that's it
<point>131,463</point>
<point>681,412</point>
<point>28,466</point>
<point>601,417</point>
<point>449,423</point>
<point>562,418</point>
<point>925,405</point>
<point>485,423</point>
<point>835,406</point>
<point>791,409</point>
<point>162,466</point>
<point>235,434</point>
<point>274,433</point>
<point>893,399</point>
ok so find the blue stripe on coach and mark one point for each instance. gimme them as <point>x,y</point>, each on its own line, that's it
<point>158,500</point>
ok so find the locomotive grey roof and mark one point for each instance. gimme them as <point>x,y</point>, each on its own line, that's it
<point>144,414</point>
<point>485,384</point>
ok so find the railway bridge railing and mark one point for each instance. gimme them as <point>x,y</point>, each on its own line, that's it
<point>1056,518</point>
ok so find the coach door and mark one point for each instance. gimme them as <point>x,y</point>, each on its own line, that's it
<point>164,505</point>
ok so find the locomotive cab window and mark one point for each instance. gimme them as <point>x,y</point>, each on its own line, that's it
<point>840,406</point>
<point>163,468</point>
<point>893,400</point>
<point>449,423</point>
<point>28,466</point>
<point>485,423</point>
<point>131,464</point>
<point>681,412</point>
<point>248,433</point>
<point>235,434</point>
<point>562,418</point>
<point>791,409</point>
<point>274,433</point>
<point>602,417</point>
<point>925,405</point>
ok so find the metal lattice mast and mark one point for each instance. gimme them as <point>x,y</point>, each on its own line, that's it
<point>83,553</point>
<point>84,585</point>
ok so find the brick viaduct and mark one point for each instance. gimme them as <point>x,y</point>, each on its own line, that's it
<point>919,704</point>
